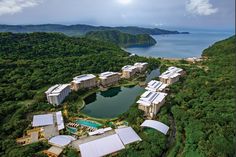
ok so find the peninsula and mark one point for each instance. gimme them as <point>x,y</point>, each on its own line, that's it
<point>122,39</point>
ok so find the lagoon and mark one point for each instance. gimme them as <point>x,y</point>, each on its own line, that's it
<point>111,103</point>
<point>114,101</point>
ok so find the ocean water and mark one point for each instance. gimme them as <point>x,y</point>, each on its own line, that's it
<point>180,45</point>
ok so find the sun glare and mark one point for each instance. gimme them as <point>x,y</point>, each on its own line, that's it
<point>124,2</point>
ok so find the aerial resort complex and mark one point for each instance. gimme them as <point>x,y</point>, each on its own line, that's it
<point>92,138</point>
<point>97,78</point>
<point>57,93</point>
<point>152,100</point>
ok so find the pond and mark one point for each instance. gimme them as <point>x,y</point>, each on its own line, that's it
<point>114,101</point>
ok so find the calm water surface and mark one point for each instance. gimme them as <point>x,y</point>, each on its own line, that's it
<point>115,101</point>
<point>180,45</point>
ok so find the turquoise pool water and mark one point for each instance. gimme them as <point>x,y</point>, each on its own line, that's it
<point>72,130</point>
<point>88,123</point>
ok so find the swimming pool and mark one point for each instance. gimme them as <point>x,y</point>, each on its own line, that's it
<point>88,123</point>
<point>72,130</point>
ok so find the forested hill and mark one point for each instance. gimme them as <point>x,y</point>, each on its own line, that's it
<point>80,29</point>
<point>28,45</point>
<point>203,105</point>
<point>222,48</point>
<point>122,39</point>
<point>31,63</point>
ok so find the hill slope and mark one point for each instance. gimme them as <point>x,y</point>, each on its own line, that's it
<point>122,39</point>
<point>24,45</point>
<point>203,105</point>
<point>30,63</point>
<point>80,29</point>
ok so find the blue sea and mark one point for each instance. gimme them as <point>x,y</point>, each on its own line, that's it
<point>181,45</point>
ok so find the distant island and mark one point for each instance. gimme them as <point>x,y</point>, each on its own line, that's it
<point>80,29</point>
<point>122,39</point>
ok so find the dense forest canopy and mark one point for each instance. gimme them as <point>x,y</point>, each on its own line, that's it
<point>30,63</point>
<point>24,45</point>
<point>203,105</point>
<point>122,39</point>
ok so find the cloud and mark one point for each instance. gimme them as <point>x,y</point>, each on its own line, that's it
<point>200,7</point>
<point>14,6</point>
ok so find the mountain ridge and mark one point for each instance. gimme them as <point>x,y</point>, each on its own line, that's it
<point>82,29</point>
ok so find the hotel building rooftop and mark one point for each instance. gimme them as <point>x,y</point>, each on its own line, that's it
<point>104,75</point>
<point>48,119</point>
<point>129,68</point>
<point>140,64</point>
<point>107,143</point>
<point>156,125</point>
<point>171,72</point>
<point>81,78</point>
<point>42,120</point>
<point>148,98</point>
<point>56,89</point>
<point>61,140</point>
<point>156,86</point>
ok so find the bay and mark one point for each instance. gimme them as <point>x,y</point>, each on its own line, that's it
<point>180,45</point>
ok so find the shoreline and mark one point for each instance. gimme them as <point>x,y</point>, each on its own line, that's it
<point>190,59</point>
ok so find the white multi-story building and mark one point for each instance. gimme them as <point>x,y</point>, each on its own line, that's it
<point>57,93</point>
<point>109,78</point>
<point>83,81</point>
<point>156,86</point>
<point>141,66</point>
<point>128,71</point>
<point>172,75</point>
<point>151,102</point>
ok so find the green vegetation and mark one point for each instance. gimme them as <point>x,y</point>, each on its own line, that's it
<point>30,63</point>
<point>200,110</point>
<point>122,39</point>
<point>75,30</point>
<point>153,142</point>
<point>203,105</point>
<point>45,45</point>
<point>200,107</point>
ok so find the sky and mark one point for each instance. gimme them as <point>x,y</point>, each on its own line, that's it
<point>202,14</point>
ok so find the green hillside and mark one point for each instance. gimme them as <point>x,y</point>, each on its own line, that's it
<point>203,105</point>
<point>30,63</point>
<point>25,45</point>
<point>200,108</point>
<point>122,39</point>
